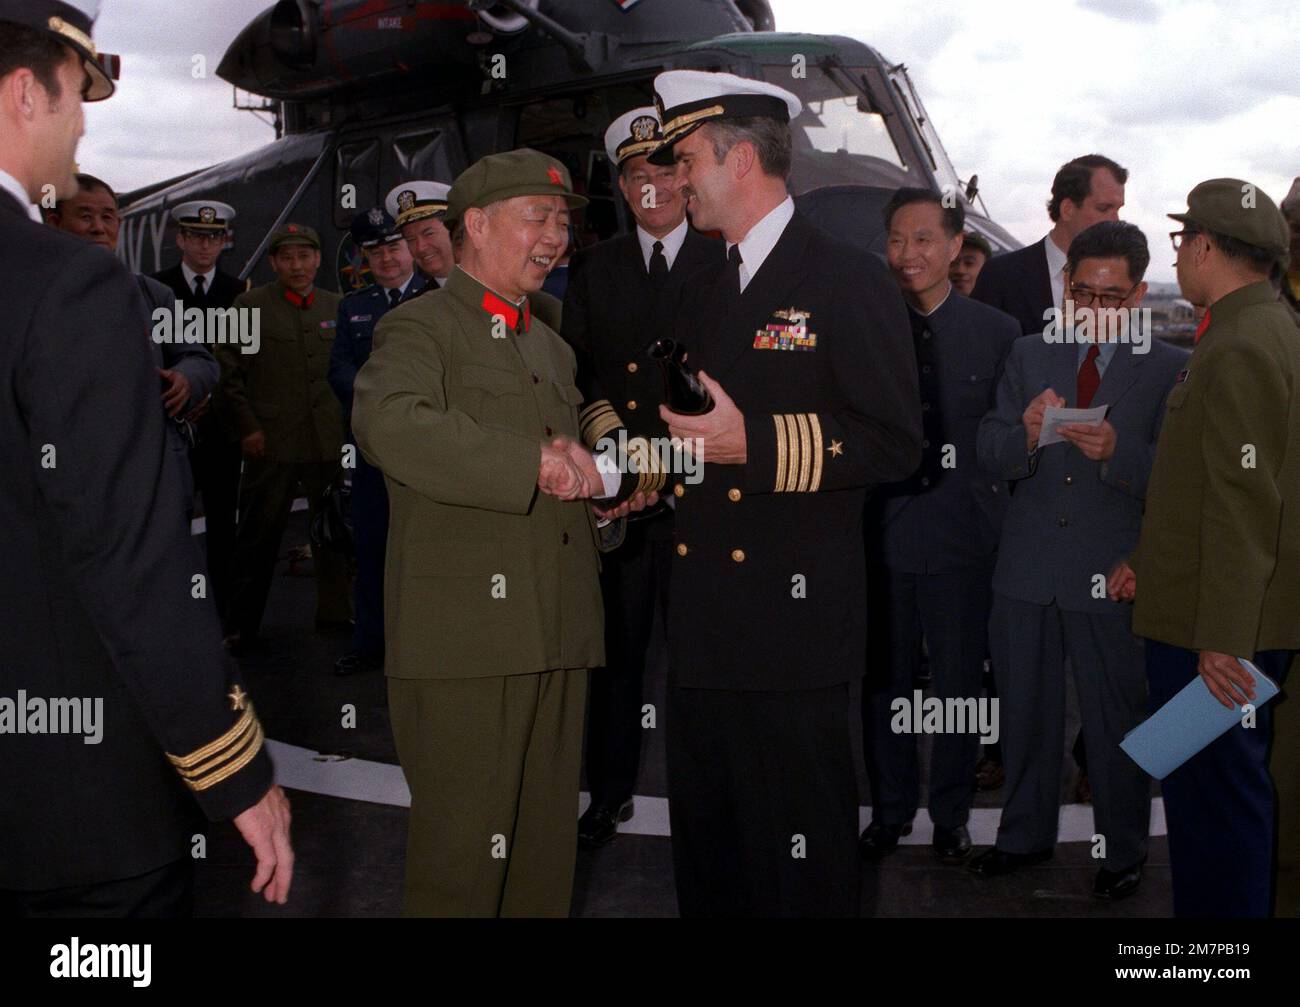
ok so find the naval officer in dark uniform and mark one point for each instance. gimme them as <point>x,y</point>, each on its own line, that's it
<point>815,398</point>
<point>618,301</point>
<point>203,228</point>
<point>98,562</point>
<point>933,536</point>
<point>393,270</point>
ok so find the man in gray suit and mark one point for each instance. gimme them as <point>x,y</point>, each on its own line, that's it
<point>1075,512</point>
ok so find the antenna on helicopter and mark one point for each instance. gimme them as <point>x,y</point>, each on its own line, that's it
<point>276,122</point>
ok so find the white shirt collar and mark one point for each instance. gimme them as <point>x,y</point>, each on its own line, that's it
<point>12,186</point>
<point>927,314</point>
<point>1055,270</point>
<point>757,245</point>
<point>403,287</point>
<point>673,241</point>
<point>190,275</point>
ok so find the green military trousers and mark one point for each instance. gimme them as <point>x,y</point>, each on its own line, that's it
<point>1284,765</point>
<point>266,494</point>
<point>493,766</point>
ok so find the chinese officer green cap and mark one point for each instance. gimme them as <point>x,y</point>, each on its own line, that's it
<point>294,234</point>
<point>71,22</point>
<point>522,172</point>
<point>1239,210</point>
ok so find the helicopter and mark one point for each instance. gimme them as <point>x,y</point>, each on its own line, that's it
<point>366,94</point>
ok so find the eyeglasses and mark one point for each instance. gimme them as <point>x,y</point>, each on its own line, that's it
<point>1085,297</point>
<point>1177,238</point>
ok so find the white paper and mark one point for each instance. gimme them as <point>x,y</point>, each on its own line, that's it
<point>1054,418</point>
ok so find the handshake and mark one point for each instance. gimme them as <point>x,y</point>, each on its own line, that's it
<point>568,471</point>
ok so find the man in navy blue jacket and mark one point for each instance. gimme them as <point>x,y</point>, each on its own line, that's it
<point>396,280</point>
<point>934,534</point>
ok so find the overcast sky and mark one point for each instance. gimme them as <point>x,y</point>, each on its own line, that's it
<point>1175,90</point>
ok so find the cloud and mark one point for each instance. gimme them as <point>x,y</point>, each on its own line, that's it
<point>1124,10</point>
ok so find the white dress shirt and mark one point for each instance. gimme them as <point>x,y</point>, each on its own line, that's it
<point>12,186</point>
<point>1056,271</point>
<point>673,241</point>
<point>190,276</point>
<point>757,245</point>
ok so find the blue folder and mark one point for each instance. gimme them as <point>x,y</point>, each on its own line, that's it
<point>1187,723</point>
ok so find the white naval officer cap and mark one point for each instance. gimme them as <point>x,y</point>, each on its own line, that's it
<point>633,133</point>
<point>71,22</point>
<point>203,215</point>
<point>687,99</point>
<point>416,200</point>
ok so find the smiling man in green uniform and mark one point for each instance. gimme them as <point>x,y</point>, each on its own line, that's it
<point>495,613</point>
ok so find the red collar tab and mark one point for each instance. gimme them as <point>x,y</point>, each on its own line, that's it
<point>298,301</point>
<point>495,305</point>
<point>1200,329</point>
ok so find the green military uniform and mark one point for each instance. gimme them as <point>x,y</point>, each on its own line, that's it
<point>492,603</point>
<point>1218,561</point>
<point>282,390</point>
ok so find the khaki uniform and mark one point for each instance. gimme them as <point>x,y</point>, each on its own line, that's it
<point>1218,561</point>
<point>493,607</point>
<point>283,391</point>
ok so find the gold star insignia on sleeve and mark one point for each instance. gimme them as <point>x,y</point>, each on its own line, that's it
<point>836,448</point>
<point>238,698</point>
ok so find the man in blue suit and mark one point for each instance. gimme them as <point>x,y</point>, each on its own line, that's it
<point>1030,281</point>
<point>935,535</point>
<point>1076,510</point>
<point>396,280</point>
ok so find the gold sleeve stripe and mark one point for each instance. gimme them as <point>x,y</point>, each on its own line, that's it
<point>227,740</point>
<point>651,475</point>
<point>597,420</point>
<point>816,422</point>
<point>792,470</point>
<point>805,454</point>
<point>231,768</point>
<point>205,767</point>
<point>780,451</point>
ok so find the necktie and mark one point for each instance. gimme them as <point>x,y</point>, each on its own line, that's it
<point>733,267</point>
<point>658,265</point>
<point>394,297</point>
<point>198,286</point>
<point>1089,378</point>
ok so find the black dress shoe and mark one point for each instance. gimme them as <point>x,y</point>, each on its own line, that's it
<point>599,824</point>
<point>952,846</point>
<point>993,862</point>
<point>879,840</point>
<point>1115,885</point>
<point>354,662</point>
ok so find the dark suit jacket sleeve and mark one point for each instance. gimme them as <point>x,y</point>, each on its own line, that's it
<point>231,401</point>
<point>193,360</point>
<point>88,390</point>
<point>876,425</point>
<point>1003,453</point>
<point>1129,468</point>
<point>598,420</point>
<point>343,365</point>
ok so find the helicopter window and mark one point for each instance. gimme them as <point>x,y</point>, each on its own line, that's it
<point>355,164</point>
<point>838,138</point>
<point>422,154</point>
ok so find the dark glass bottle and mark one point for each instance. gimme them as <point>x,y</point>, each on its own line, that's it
<point>683,391</point>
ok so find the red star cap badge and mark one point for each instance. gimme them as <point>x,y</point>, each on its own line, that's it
<point>553,173</point>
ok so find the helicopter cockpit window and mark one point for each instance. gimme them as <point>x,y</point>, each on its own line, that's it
<point>355,164</point>
<point>838,139</point>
